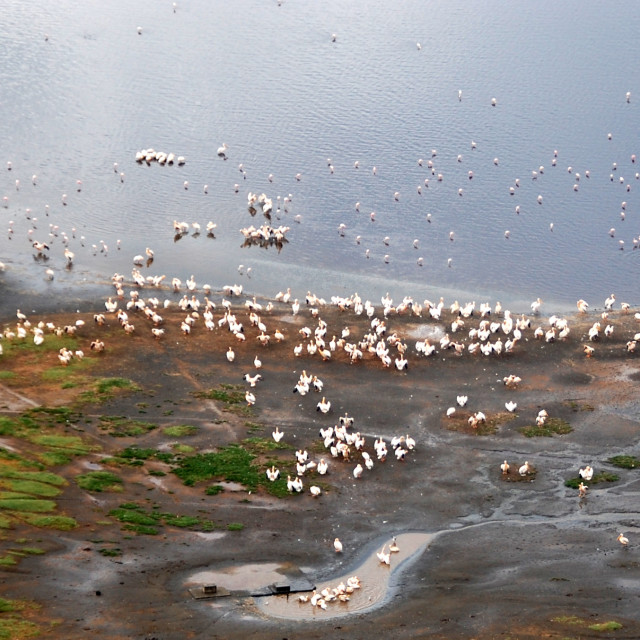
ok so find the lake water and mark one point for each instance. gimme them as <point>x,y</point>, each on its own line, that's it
<point>81,90</point>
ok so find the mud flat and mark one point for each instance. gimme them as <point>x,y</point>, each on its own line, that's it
<point>514,555</point>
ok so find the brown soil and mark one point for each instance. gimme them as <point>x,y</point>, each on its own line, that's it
<point>514,556</point>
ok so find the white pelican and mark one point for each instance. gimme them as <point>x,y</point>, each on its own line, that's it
<point>524,469</point>
<point>623,540</point>
<point>250,398</point>
<point>609,302</point>
<point>277,434</point>
<point>586,473</point>
<point>357,472</point>
<point>222,151</point>
<point>511,406</point>
<point>324,405</point>
<point>535,305</point>
<point>393,547</point>
<point>582,490</point>
<point>337,545</point>
<point>315,491</point>
<point>252,380</point>
<point>322,467</point>
<point>273,473</point>
<point>383,556</point>
<point>505,467</point>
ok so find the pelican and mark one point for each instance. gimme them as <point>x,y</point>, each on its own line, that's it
<point>505,467</point>
<point>510,406</point>
<point>322,467</point>
<point>384,557</point>
<point>252,380</point>
<point>324,405</point>
<point>623,540</point>
<point>524,469</point>
<point>250,398</point>
<point>315,491</point>
<point>273,473</point>
<point>462,400</point>
<point>222,151</point>
<point>337,545</point>
<point>393,547</point>
<point>609,302</point>
<point>277,434</point>
<point>586,473</point>
<point>357,472</point>
<point>535,305</point>
<point>582,306</point>
<point>582,490</point>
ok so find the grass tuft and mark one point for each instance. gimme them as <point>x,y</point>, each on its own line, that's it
<point>624,462</point>
<point>98,481</point>
<point>603,476</point>
<point>553,426</point>
<point>180,430</point>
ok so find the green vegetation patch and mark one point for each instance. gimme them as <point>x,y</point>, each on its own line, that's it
<point>33,476</point>
<point>235,526</point>
<point>39,489</point>
<point>67,375</point>
<point>7,375</point>
<point>139,454</point>
<point>123,427</point>
<point>106,388</point>
<point>60,523</point>
<point>233,463</point>
<point>182,449</point>
<point>53,458</point>
<point>603,476</point>
<point>568,620</point>
<point>232,396</point>
<point>611,625</point>
<point>180,430</point>
<point>7,426</point>
<point>97,481</point>
<point>13,626</point>
<point>136,519</point>
<point>624,462</point>
<point>72,445</point>
<point>488,427</point>
<point>30,505</point>
<point>553,426</point>
<point>264,445</point>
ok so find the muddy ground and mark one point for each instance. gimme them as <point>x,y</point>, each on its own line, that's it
<point>518,557</point>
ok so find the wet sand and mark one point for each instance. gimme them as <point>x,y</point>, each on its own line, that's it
<point>506,555</point>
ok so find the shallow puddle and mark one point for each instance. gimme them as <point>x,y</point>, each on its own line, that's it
<point>246,577</point>
<point>375,579</point>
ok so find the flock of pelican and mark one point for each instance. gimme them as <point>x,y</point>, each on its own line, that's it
<point>469,325</point>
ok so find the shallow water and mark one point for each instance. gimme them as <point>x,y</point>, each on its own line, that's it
<point>269,81</point>
<point>375,579</point>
